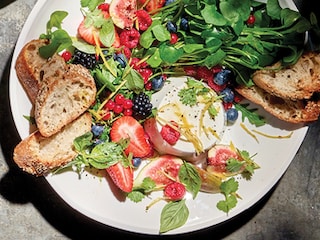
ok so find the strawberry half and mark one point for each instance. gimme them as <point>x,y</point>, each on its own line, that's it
<point>128,127</point>
<point>121,176</point>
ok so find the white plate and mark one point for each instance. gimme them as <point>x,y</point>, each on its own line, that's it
<point>94,197</point>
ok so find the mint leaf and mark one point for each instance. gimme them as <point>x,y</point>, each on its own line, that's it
<point>173,215</point>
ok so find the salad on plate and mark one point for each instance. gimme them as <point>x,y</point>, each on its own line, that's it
<point>165,73</point>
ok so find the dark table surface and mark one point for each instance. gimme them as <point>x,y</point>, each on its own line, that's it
<point>30,209</point>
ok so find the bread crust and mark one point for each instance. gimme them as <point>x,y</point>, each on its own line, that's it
<point>61,99</point>
<point>293,111</point>
<point>299,81</point>
<point>31,68</point>
<point>38,155</point>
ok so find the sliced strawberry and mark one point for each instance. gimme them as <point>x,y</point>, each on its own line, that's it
<point>121,176</point>
<point>87,34</point>
<point>128,127</point>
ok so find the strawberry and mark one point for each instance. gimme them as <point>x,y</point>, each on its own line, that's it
<point>128,127</point>
<point>121,176</point>
<point>87,34</point>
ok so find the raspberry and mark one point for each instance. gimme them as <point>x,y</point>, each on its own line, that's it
<point>145,73</point>
<point>190,70</point>
<point>204,73</point>
<point>169,134</point>
<point>175,191</point>
<point>144,20</point>
<point>130,38</point>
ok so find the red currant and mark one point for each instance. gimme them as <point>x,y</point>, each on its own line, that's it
<point>127,103</point>
<point>173,38</point>
<point>251,20</point>
<point>107,116</point>
<point>110,105</point>
<point>127,111</point>
<point>119,98</point>
<point>66,55</point>
<point>118,109</point>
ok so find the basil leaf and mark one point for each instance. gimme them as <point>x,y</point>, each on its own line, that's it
<point>173,215</point>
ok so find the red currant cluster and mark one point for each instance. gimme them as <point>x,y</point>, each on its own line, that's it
<point>120,104</point>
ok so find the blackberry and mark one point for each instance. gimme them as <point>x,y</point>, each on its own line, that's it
<point>85,59</point>
<point>142,106</point>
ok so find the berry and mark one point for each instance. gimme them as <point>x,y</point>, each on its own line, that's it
<point>119,98</point>
<point>251,20</point>
<point>157,83</point>
<point>97,130</point>
<point>127,112</point>
<point>227,95</point>
<point>172,27</point>
<point>67,55</point>
<point>110,104</point>
<point>107,116</point>
<point>170,134</point>
<point>168,2</point>
<point>144,20</point>
<point>148,86</point>
<point>175,191</point>
<point>145,73</point>
<point>222,77</point>
<point>190,70</point>
<point>136,162</point>
<point>104,7</point>
<point>118,109</point>
<point>128,127</point>
<point>127,103</point>
<point>173,38</point>
<point>232,115</point>
<point>85,59</point>
<point>121,176</point>
<point>129,38</point>
<point>227,106</point>
<point>121,58</point>
<point>142,106</point>
<point>203,73</point>
<point>184,24</point>
<point>152,5</point>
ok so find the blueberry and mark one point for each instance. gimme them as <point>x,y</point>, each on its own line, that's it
<point>227,95</point>
<point>222,77</point>
<point>121,58</point>
<point>232,115</point>
<point>184,24</point>
<point>97,130</point>
<point>157,83</point>
<point>172,27</point>
<point>168,2</point>
<point>136,162</point>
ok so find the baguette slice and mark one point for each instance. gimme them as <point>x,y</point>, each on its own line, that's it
<point>61,99</point>
<point>31,68</point>
<point>298,81</point>
<point>299,111</point>
<point>37,154</point>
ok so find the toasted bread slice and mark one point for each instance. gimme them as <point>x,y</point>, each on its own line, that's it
<point>298,81</point>
<point>31,68</point>
<point>299,111</point>
<point>61,99</point>
<point>38,155</point>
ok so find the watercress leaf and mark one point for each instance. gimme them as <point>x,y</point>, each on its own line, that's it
<point>107,33</point>
<point>55,20</point>
<point>173,215</point>
<point>234,10</point>
<point>161,33</point>
<point>83,46</point>
<point>146,39</point>
<point>189,48</point>
<point>212,16</point>
<point>91,4</point>
<point>169,53</point>
<point>155,60</point>
<point>214,59</point>
<point>190,177</point>
<point>134,80</point>
<point>273,9</point>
